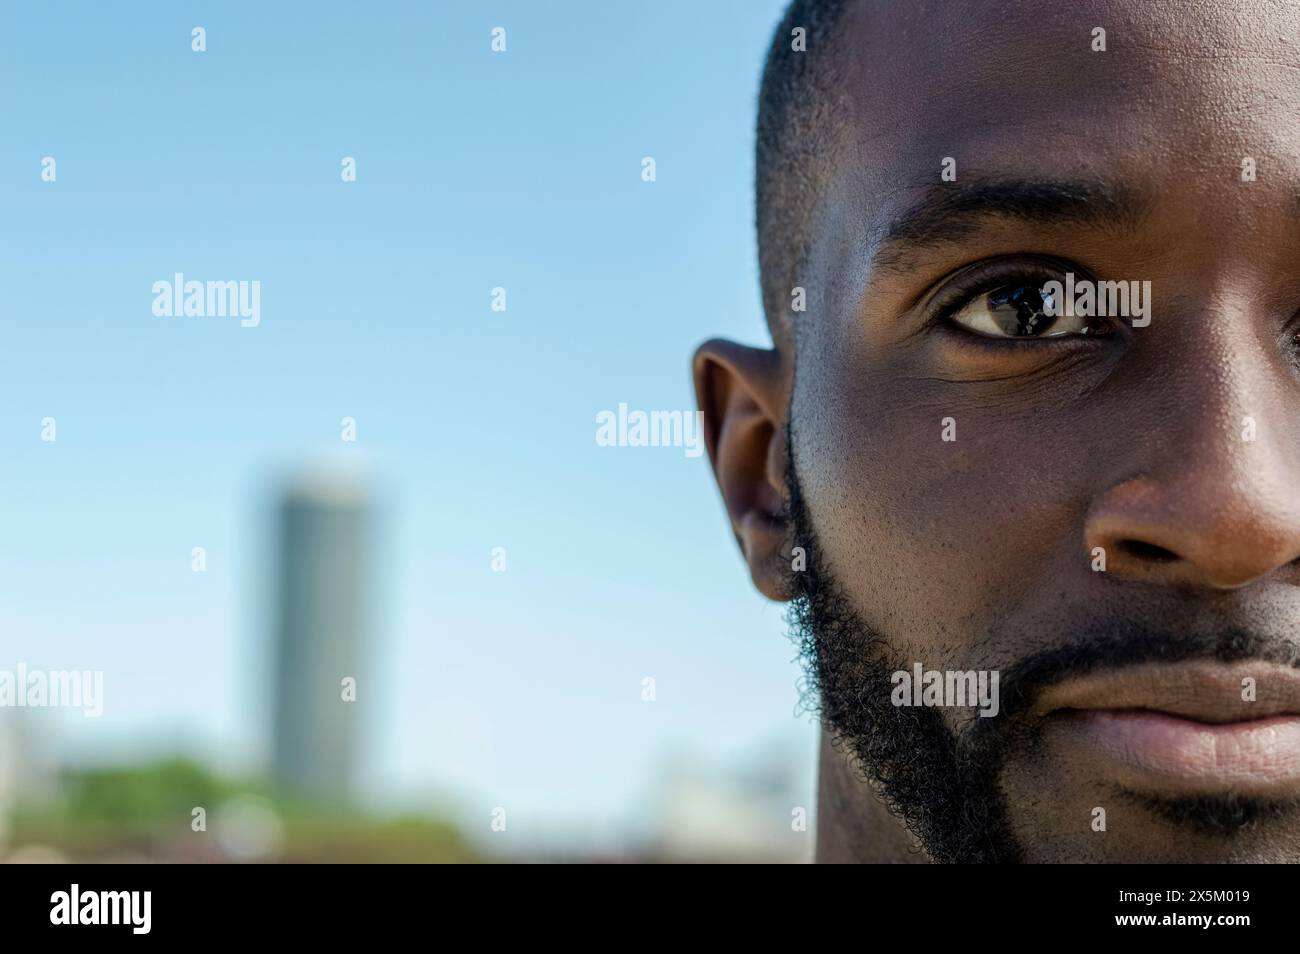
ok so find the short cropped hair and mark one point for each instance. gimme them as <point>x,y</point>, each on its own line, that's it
<point>796,116</point>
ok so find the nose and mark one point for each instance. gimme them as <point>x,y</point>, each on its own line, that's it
<point>1220,519</point>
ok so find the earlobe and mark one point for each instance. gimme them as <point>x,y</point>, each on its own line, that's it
<point>744,394</point>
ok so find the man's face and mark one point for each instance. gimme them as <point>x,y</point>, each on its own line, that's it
<point>964,470</point>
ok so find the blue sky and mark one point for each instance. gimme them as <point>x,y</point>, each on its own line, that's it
<point>474,170</point>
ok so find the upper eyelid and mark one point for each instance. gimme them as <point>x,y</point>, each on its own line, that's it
<point>952,292</point>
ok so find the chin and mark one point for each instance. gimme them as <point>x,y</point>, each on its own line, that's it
<point>1104,824</point>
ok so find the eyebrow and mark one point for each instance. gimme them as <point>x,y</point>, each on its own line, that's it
<point>948,213</point>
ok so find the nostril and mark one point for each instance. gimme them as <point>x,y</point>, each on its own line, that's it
<point>1150,552</point>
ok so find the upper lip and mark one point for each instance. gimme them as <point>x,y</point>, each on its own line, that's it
<point>1203,691</point>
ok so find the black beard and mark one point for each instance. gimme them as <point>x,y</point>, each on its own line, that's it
<point>942,785</point>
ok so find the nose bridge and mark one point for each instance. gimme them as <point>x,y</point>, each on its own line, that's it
<point>1215,498</point>
<point>1227,393</point>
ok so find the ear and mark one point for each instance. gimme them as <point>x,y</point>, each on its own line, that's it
<point>744,393</point>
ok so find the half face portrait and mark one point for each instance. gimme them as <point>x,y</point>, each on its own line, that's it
<point>1023,457</point>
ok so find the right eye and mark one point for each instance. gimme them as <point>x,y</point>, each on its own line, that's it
<point>1019,309</point>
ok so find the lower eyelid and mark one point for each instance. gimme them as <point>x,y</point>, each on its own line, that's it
<point>965,337</point>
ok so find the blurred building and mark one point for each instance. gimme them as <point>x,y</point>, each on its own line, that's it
<point>320,643</point>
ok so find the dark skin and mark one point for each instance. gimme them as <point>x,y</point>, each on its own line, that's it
<point>978,552</point>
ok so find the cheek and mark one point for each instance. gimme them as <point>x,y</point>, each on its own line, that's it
<point>940,517</point>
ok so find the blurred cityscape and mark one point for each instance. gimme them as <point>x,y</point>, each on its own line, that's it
<point>304,807</point>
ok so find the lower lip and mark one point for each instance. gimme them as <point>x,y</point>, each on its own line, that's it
<point>1148,749</point>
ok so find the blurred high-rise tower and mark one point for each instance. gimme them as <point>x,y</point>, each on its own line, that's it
<point>321,644</point>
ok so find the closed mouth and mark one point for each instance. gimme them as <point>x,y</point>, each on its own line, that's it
<point>1182,728</point>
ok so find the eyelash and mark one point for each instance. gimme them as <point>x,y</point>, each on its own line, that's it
<point>988,276</point>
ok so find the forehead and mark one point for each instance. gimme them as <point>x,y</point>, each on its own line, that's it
<point>1182,93</point>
